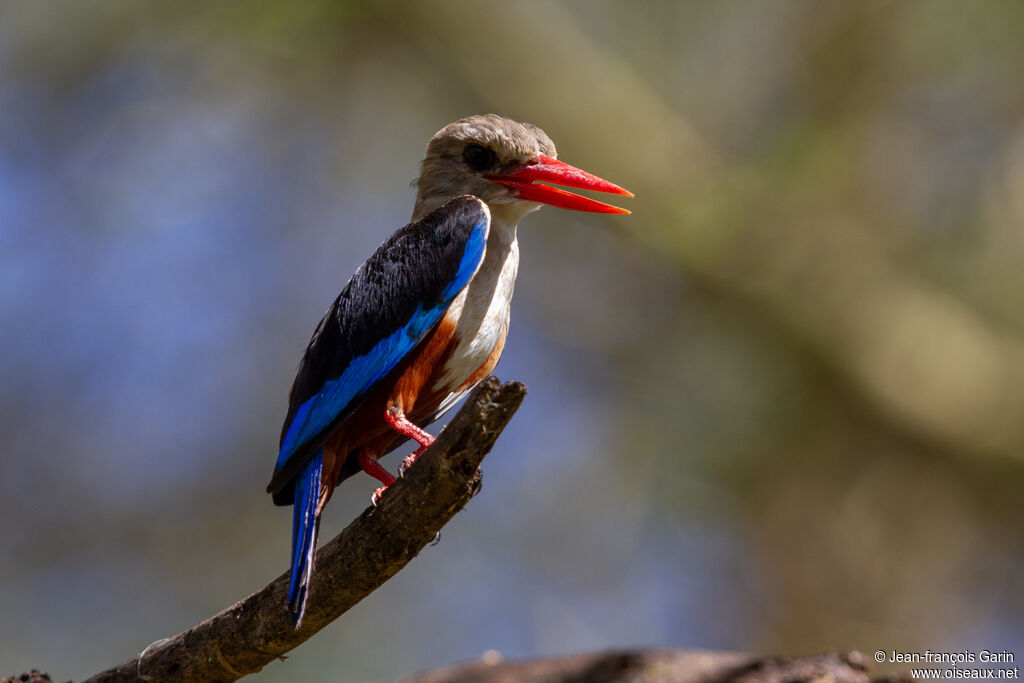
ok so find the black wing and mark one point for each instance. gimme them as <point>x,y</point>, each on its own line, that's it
<point>390,304</point>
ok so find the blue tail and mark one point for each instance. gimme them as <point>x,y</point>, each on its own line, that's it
<point>304,527</point>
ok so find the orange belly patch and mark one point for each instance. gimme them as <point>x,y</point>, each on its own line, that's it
<point>366,430</point>
<point>413,388</point>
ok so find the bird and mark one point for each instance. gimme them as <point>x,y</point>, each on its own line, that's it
<point>420,323</point>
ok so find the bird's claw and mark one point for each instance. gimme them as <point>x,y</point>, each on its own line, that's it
<point>377,493</point>
<point>407,462</point>
<point>437,539</point>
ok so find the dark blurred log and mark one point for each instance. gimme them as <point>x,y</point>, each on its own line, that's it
<point>33,676</point>
<point>662,666</point>
<point>646,666</point>
<point>245,637</point>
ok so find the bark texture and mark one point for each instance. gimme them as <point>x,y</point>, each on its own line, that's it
<point>373,548</point>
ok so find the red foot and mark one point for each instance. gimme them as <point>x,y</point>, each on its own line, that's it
<point>401,424</point>
<point>397,421</point>
<point>375,469</point>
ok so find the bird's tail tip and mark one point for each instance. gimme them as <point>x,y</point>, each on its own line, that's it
<point>304,529</point>
<point>297,609</point>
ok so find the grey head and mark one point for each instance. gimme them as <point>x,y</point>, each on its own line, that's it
<point>461,154</point>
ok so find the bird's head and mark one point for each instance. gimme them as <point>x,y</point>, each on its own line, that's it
<point>501,161</point>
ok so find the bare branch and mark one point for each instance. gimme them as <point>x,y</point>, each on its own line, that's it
<point>373,548</point>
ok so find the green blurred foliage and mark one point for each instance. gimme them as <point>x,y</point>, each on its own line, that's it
<point>792,405</point>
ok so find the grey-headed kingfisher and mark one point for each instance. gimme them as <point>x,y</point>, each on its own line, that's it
<point>421,321</point>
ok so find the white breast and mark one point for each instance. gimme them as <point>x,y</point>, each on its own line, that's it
<point>481,312</point>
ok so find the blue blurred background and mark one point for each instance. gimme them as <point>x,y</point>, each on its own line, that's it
<point>779,408</point>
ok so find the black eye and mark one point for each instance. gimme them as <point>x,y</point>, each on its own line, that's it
<point>478,157</point>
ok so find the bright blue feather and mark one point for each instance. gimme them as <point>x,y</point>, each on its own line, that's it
<point>337,395</point>
<point>304,527</point>
<point>474,252</point>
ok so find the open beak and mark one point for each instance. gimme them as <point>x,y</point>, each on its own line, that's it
<point>522,182</point>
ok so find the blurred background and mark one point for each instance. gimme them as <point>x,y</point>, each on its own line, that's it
<point>780,408</point>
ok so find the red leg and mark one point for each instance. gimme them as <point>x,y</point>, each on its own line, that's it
<point>377,471</point>
<point>397,421</point>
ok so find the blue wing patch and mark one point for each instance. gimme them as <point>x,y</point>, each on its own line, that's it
<point>338,395</point>
<point>319,412</point>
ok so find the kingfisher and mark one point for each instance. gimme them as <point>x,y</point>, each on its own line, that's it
<point>421,322</point>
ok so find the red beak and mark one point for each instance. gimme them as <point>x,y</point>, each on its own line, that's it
<point>521,182</point>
